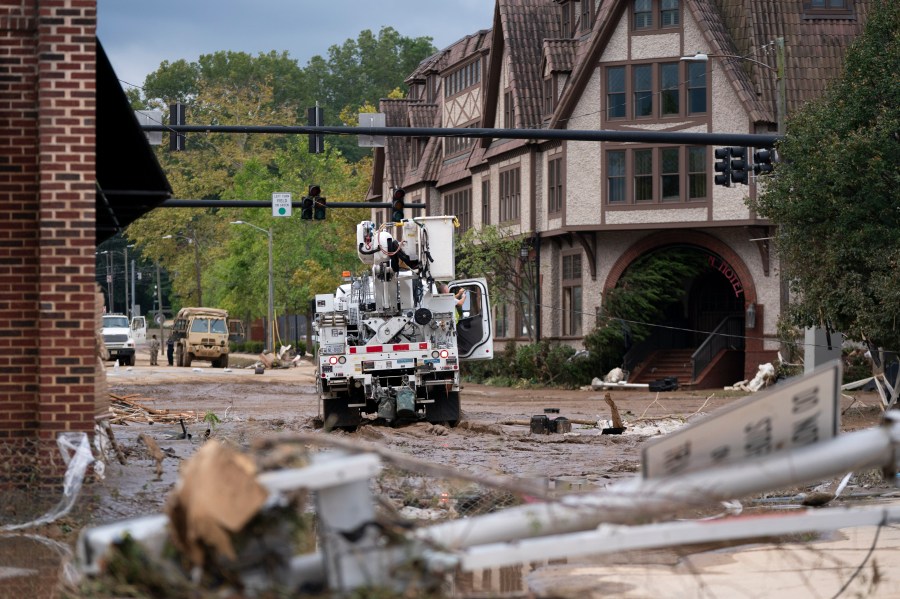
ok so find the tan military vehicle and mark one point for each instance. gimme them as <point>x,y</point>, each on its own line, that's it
<point>201,334</point>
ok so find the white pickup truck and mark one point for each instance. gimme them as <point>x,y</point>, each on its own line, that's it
<point>117,338</point>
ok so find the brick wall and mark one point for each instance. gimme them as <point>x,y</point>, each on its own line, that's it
<point>47,174</point>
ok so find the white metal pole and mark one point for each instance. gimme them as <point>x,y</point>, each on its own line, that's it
<point>271,335</point>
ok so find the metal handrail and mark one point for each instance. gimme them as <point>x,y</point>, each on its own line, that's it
<point>726,335</point>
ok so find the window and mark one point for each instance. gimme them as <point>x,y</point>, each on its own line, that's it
<point>643,14</point>
<point>549,97</point>
<point>509,195</point>
<point>459,203</point>
<point>669,185</point>
<point>509,113</point>
<point>554,185</point>
<point>462,78</point>
<point>615,175</point>
<point>824,9</point>
<point>666,90</point>
<point>566,17</point>
<point>651,15</point>
<point>485,203</point>
<point>587,15</point>
<point>643,175</point>
<point>656,175</point>
<point>696,87</point>
<point>670,91</point>
<point>571,294</point>
<point>643,90</point>
<point>615,93</point>
<point>668,13</point>
<point>457,145</point>
<point>696,173</point>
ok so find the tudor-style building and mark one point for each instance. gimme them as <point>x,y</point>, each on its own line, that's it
<point>589,210</point>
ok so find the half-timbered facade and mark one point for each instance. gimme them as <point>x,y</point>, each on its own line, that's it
<point>589,210</point>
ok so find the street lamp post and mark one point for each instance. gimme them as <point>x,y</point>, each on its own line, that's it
<point>196,245</point>
<point>781,91</point>
<point>271,316</point>
<point>109,289</point>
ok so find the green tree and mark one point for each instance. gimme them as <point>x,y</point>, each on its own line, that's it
<point>833,194</point>
<point>506,260</point>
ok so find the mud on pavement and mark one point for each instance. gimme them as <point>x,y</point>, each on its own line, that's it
<point>493,439</point>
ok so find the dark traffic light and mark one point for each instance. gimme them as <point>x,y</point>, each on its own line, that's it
<point>739,165</point>
<point>398,205</point>
<point>317,202</point>
<point>763,161</point>
<point>723,166</point>
<point>306,208</point>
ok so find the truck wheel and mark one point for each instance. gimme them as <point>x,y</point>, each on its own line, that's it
<point>179,356</point>
<point>188,358</point>
<point>222,362</point>
<point>132,359</point>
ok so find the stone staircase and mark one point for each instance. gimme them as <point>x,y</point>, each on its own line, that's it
<point>665,363</point>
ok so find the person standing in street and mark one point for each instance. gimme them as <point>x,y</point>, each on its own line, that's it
<point>154,351</point>
<point>170,350</point>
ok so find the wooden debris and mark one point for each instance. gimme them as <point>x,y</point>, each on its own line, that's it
<point>155,453</point>
<point>126,408</point>
<point>616,419</point>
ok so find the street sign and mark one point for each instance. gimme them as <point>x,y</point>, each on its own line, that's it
<point>281,204</point>
<point>793,414</point>
<point>371,119</point>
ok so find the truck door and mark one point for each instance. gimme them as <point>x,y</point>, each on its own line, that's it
<point>474,330</point>
<point>139,329</point>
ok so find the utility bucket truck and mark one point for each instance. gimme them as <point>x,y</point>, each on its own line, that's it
<point>390,340</point>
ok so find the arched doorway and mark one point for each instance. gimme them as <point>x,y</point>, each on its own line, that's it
<point>700,338</point>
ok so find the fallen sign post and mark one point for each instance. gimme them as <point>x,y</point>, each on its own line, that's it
<point>794,414</point>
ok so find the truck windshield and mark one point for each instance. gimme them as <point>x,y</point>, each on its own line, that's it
<point>209,325</point>
<point>115,321</point>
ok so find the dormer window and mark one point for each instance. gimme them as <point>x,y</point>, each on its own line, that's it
<point>567,17</point>
<point>650,15</point>
<point>828,9</point>
<point>587,15</point>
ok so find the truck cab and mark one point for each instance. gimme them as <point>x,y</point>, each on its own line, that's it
<point>201,334</point>
<point>117,338</point>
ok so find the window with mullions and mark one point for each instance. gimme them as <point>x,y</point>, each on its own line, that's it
<point>554,185</point>
<point>696,91</point>
<point>462,78</point>
<point>659,175</point>
<point>587,14</point>
<point>643,90</point>
<point>823,9</point>
<point>615,176</point>
<point>643,175</point>
<point>615,93</point>
<point>670,89</point>
<point>509,111</point>
<point>459,203</point>
<point>643,14</point>
<point>668,13</point>
<point>571,295</point>
<point>509,195</point>
<point>485,202</point>
<point>667,90</point>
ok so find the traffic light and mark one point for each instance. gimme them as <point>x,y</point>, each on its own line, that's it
<point>398,205</point>
<point>306,208</point>
<point>739,165</point>
<point>315,118</point>
<point>723,166</point>
<point>317,202</point>
<point>762,160</point>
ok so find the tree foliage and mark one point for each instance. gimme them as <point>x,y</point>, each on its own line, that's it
<point>496,254</point>
<point>833,194</point>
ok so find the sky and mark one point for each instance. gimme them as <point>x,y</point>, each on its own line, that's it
<point>139,34</point>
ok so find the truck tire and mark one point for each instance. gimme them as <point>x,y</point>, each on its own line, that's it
<point>132,359</point>
<point>179,356</point>
<point>221,362</point>
<point>188,358</point>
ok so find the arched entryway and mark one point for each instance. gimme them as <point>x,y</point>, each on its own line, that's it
<point>701,338</point>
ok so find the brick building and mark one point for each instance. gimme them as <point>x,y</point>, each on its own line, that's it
<point>590,210</point>
<point>72,163</point>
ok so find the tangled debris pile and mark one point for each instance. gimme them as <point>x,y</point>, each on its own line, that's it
<point>127,408</point>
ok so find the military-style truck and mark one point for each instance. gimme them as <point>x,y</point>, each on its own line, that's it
<point>201,334</point>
